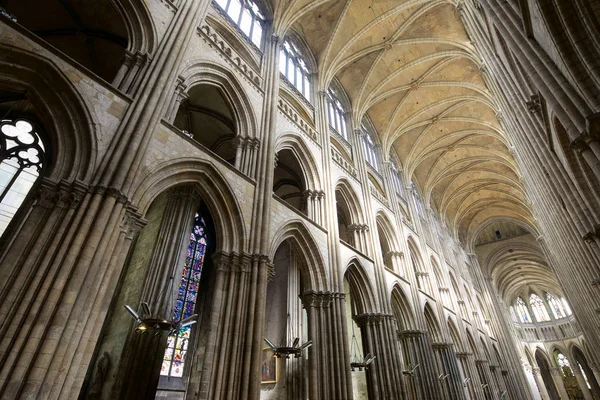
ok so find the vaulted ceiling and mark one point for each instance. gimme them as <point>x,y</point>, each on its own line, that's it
<point>411,67</point>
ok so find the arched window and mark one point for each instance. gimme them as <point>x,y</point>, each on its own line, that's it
<point>22,156</point>
<point>539,308</point>
<point>397,179</point>
<point>562,361</point>
<point>177,343</point>
<point>336,114</point>
<point>293,67</point>
<point>418,201</point>
<point>556,306</point>
<point>247,16</point>
<point>369,148</point>
<point>523,311</point>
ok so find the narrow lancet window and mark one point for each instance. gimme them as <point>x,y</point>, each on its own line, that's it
<point>21,161</point>
<point>293,67</point>
<point>177,343</point>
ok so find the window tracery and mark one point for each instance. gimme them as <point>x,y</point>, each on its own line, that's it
<point>293,67</point>
<point>247,16</point>
<point>22,154</point>
<point>369,148</point>
<point>522,311</point>
<point>336,114</point>
<point>556,306</point>
<point>539,308</point>
<point>563,362</point>
<point>177,343</point>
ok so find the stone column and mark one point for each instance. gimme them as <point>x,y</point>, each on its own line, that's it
<point>383,374</point>
<point>325,365</point>
<point>558,381</point>
<point>124,69</point>
<point>139,369</point>
<point>179,97</point>
<point>449,373</point>
<point>422,383</point>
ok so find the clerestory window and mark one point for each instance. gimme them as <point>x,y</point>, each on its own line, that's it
<point>539,308</point>
<point>369,148</point>
<point>247,16</point>
<point>293,67</point>
<point>336,114</point>
<point>556,306</point>
<point>522,310</point>
<point>22,155</point>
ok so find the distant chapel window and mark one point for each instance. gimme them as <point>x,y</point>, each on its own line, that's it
<point>21,161</point>
<point>539,309</point>
<point>336,114</point>
<point>247,16</point>
<point>293,67</point>
<point>178,342</point>
<point>523,311</point>
<point>556,306</point>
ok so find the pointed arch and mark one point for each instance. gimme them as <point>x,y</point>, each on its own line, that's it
<point>54,101</point>
<point>455,335</point>
<point>214,188</point>
<point>402,310</point>
<point>295,143</point>
<point>361,289</point>
<point>433,325</point>
<point>196,73</point>
<point>305,248</point>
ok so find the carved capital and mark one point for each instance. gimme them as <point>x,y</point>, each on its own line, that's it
<point>369,319</point>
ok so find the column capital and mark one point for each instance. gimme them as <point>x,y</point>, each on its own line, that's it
<point>369,319</point>
<point>410,333</point>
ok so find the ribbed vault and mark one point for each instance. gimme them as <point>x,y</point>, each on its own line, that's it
<point>410,66</point>
<point>512,257</point>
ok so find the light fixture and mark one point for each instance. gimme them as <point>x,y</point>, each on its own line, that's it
<point>357,361</point>
<point>287,351</point>
<point>410,371</point>
<point>151,322</point>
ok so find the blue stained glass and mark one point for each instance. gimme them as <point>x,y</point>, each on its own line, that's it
<point>186,300</point>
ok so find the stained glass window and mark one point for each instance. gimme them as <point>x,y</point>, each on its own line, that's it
<point>293,67</point>
<point>21,161</point>
<point>177,344</point>
<point>513,314</point>
<point>247,16</point>
<point>539,308</point>
<point>523,311</point>
<point>556,306</point>
<point>562,361</point>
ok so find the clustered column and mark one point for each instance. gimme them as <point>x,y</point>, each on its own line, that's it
<point>450,379</point>
<point>419,364</point>
<point>139,369</point>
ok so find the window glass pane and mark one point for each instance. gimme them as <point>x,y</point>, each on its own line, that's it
<point>306,87</point>
<point>246,22</point>
<point>257,33</point>
<point>299,79</point>
<point>290,70</point>
<point>234,10</point>
<point>19,166</point>
<point>282,63</point>
<point>222,3</point>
